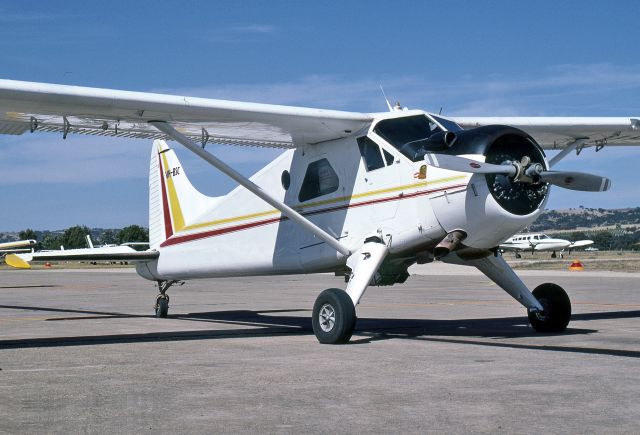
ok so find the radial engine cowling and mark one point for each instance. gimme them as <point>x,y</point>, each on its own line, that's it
<point>494,206</point>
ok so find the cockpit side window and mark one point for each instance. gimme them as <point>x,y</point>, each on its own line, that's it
<point>408,134</point>
<point>370,152</point>
<point>388,157</point>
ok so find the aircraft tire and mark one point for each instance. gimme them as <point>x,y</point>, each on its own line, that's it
<point>162,307</point>
<point>334,317</point>
<point>557,309</point>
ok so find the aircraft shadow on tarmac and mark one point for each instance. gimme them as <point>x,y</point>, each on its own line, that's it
<point>481,332</point>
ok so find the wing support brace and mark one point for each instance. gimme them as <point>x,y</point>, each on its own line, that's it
<point>364,264</point>
<point>287,211</point>
<point>562,154</point>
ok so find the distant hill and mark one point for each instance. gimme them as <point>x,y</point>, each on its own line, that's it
<point>586,219</point>
<point>614,229</point>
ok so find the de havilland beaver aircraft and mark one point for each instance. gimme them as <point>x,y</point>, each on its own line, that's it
<point>363,195</point>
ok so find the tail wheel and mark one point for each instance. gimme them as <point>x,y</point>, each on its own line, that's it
<point>334,317</point>
<point>557,309</point>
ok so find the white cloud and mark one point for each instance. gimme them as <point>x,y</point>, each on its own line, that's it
<point>558,90</point>
<point>242,32</point>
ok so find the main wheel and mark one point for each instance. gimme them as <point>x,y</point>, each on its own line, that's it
<point>162,307</point>
<point>557,309</point>
<point>334,317</point>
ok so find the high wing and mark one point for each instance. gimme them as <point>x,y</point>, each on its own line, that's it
<point>560,132</point>
<point>29,106</point>
<point>17,246</point>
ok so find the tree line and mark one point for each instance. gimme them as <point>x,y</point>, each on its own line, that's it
<point>75,237</point>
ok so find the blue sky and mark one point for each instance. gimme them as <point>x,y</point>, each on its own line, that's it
<point>570,58</point>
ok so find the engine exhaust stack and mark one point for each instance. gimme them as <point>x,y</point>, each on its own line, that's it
<point>449,244</point>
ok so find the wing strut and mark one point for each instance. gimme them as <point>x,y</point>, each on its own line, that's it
<point>562,154</point>
<point>252,187</point>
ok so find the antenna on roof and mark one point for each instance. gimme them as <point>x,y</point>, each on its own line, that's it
<point>386,99</point>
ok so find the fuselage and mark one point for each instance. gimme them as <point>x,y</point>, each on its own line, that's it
<point>354,188</point>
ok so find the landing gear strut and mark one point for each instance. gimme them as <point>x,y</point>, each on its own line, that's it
<point>334,313</point>
<point>162,300</point>
<point>548,306</point>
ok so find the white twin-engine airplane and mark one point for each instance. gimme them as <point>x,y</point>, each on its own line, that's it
<point>363,195</point>
<point>540,242</point>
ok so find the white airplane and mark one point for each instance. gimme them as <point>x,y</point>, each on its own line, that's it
<point>17,246</point>
<point>540,242</point>
<point>363,195</point>
<point>91,253</point>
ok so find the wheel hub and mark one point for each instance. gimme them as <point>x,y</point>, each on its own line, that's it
<point>544,314</point>
<point>327,317</point>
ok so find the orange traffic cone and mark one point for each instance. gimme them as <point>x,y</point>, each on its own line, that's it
<point>47,265</point>
<point>576,266</point>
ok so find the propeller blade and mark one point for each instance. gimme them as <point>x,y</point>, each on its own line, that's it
<point>576,181</point>
<point>461,164</point>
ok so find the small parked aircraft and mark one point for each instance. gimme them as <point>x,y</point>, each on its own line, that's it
<point>363,195</point>
<point>109,253</point>
<point>540,242</point>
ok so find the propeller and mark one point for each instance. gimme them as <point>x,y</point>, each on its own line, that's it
<point>523,171</point>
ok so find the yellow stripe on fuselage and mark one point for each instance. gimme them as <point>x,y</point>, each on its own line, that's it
<point>325,202</point>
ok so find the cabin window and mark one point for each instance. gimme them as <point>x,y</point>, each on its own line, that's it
<point>370,152</point>
<point>285,179</point>
<point>319,180</point>
<point>388,157</point>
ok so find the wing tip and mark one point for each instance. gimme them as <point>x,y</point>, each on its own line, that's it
<point>15,261</point>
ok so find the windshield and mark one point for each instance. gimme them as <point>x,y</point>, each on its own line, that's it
<point>449,125</point>
<point>409,134</point>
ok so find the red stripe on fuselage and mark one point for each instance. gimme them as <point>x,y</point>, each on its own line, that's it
<point>168,229</point>
<point>213,233</point>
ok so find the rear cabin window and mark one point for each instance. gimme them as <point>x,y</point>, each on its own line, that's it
<point>409,134</point>
<point>319,180</point>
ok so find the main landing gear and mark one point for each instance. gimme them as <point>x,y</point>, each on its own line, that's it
<point>334,312</point>
<point>161,306</point>
<point>548,307</point>
<point>334,317</point>
<point>556,311</point>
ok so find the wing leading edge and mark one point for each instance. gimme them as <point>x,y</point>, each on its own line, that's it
<point>29,106</point>
<point>560,132</point>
